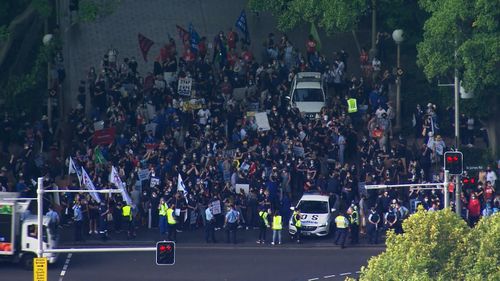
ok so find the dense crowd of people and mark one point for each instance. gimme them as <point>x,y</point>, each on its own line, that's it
<point>230,169</point>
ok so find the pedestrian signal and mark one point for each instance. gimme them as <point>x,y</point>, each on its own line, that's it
<point>453,162</point>
<point>467,180</point>
<point>165,253</point>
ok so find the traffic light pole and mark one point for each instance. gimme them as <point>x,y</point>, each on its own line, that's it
<point>445,189</point>
<point>458,195</point>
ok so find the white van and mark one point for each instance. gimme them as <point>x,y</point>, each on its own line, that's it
<point>307,94</point>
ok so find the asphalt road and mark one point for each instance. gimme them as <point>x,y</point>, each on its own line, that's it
<point>214,262</point>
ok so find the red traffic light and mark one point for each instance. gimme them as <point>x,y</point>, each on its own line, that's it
<point>466,180</point>
<point>453,162</point>
<point>165,253</point>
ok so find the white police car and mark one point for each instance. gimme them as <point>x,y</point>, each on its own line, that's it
<point>317,215</point>
<point>307,94</point>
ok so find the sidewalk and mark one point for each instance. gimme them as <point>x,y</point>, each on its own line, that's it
<point>195,238</point>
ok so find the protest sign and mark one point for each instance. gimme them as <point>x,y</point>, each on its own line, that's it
<point>184,86</point>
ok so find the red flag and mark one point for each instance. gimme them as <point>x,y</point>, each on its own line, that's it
<point>184,35</point>
<point>104,136</point>
<point>145,44</point>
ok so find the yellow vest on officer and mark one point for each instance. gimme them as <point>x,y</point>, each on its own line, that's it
<point>163,209</point>
<point>263,215</point>
<point>277,223</point>
<point>352,105</point>
<point>341,222</point>
<point>126,210</point>
<point>170,216</point>
<point>354,218</point>
<point>296,221</point>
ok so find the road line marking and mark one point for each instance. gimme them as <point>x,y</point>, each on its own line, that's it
<point>346,273</point>
<point>358,272</point>
<point>329,276</point>
<point>65,267</point>
<point>312,279</point>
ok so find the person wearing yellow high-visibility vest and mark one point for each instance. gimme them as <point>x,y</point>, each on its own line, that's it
<point>277,227</point>
<point>352,105</point>
<point>354,223</point>
<point>127,218</point>
<point>172,223</point>
<point>342,228</point>
<point>297,223</point>
<point>263,225</point>
<point>162,211</point>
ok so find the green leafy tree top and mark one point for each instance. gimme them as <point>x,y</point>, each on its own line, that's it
<point>439,246</point>
<point>332,15</point>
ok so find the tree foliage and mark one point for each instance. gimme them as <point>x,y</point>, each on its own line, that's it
<point>332,15</point>
<point>472,29</point>
<point>439,246</point>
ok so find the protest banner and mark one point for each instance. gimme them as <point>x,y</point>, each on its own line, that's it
<point>104,136</point>
<point>245,187</point>
<point>215,207</point>
<point>184,86</point>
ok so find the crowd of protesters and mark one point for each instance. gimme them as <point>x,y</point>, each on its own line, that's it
<point>209,138</point>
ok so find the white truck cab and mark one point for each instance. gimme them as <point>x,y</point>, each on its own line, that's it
<point>307,94</point>
<point>19,232</point>
<point>317,215</point>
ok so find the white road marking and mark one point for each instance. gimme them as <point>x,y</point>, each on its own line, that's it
<point>358,272</point>
<point>346,273</point>
<point>329,276</point>
<point>312,279</point>
<point>65,267</point>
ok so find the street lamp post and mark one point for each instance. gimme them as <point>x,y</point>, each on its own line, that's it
<point>47,39</point>
<point>397,36</point>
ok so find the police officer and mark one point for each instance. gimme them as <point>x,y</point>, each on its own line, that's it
<point>391,219</point>
<point>127,218</point>
<point>210,226</point>
<point>372,226</point>
<point>297,223</point>
<point>354,223</point>
<point>277,228</point>
<point>231,223</point>
<point>342,228</point>
<point>263,225</point>
<point>162,211</point>
<point>172,223</point>
<point>103,221</point>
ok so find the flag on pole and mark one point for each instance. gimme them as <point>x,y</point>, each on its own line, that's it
<point>145,44</point>
<point>242,25</point>
<point>115,179</point>
<point>194,38</point>
<point>184,35</point>
<point>182,187</point>
<point>315,35</point>
<point>74,169</point>
<point>87,183</point>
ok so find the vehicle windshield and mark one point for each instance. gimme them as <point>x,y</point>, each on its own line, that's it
<point>316,207</point>
<point>314,95</point>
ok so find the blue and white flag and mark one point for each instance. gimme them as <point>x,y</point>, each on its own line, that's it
<point>242,25</point>
<point>180,185</point>
<point>74,169</point>
<point>194,38</point>
<point>88,184</point>
<point>115,179</point>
